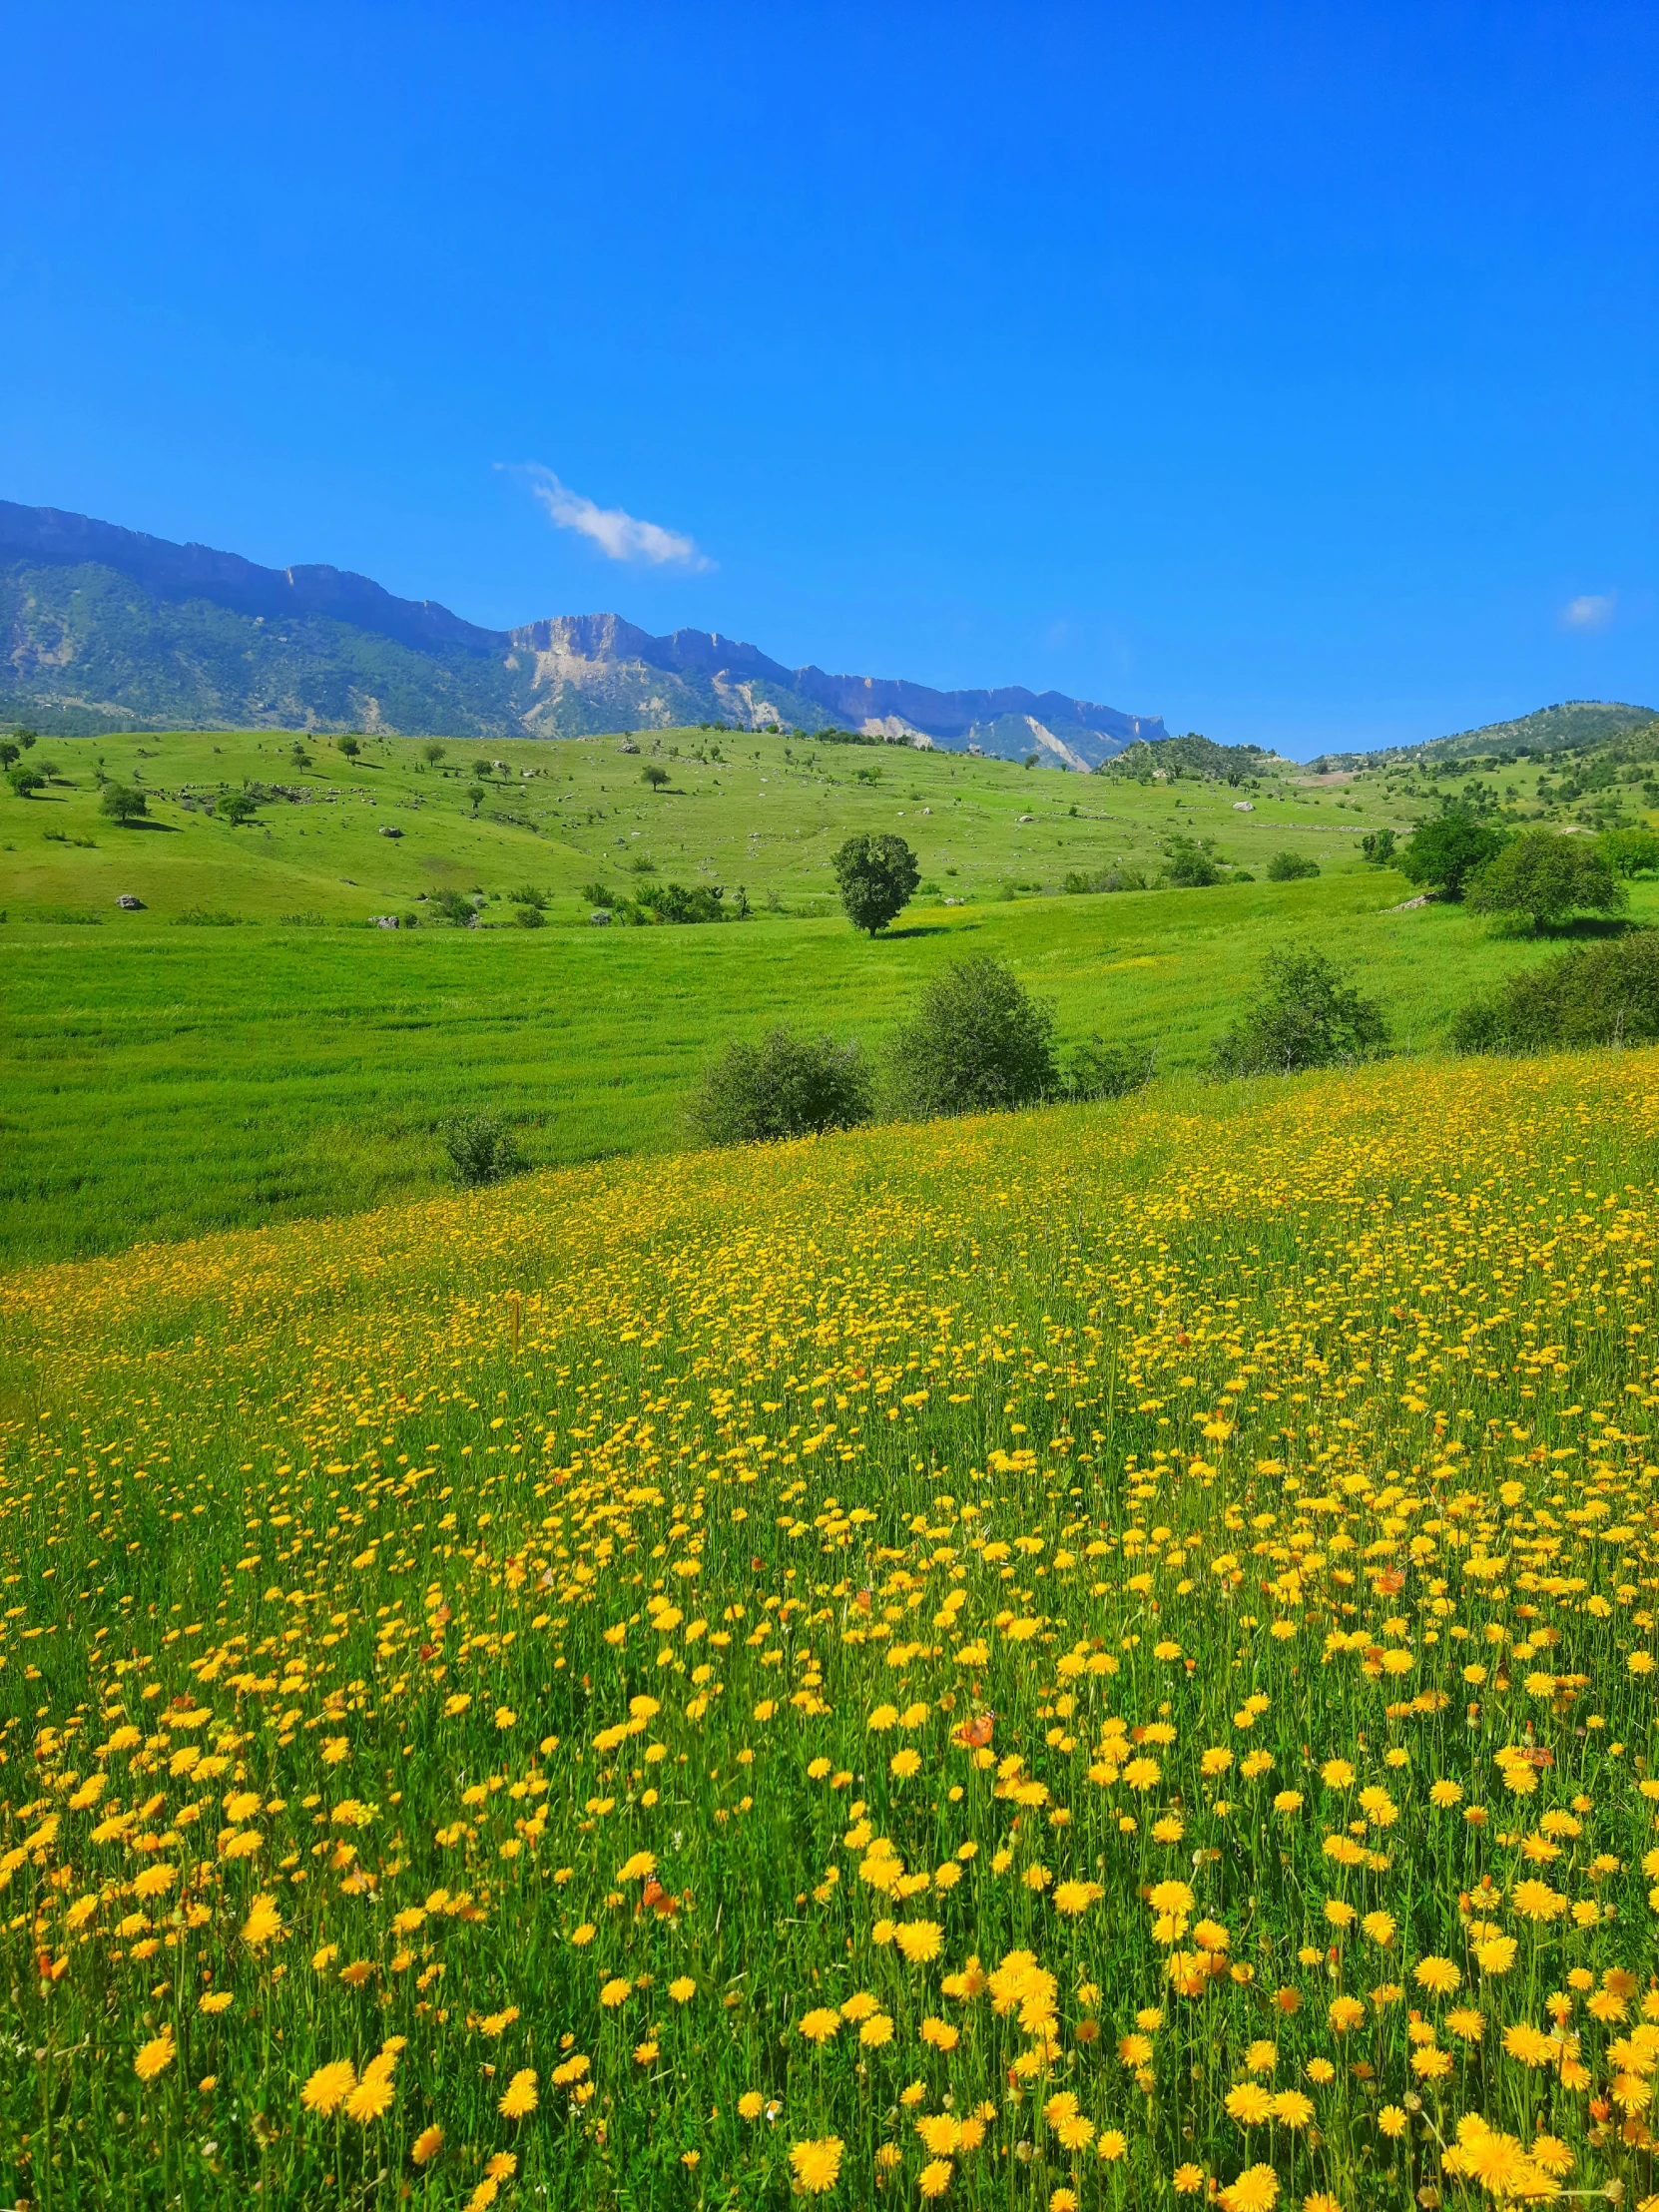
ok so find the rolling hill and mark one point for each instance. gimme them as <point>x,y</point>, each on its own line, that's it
<point>1575,723</point>
<point>104,629</point>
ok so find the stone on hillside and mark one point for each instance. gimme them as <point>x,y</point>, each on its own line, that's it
<point>129,904</point>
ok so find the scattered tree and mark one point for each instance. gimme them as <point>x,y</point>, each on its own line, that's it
<point>432,751</point>
<point>481,1150</point>
<point>1542,879</point>
<point>1377,845</point>
<point>1291,868</point>
<point>119,802</point>
<point>598,895</point>
<point>350,747</point>
<point>236,808</point>
<point>1444,853</point>
<point>1633,851</point>
<point>1305,1016</point>
<point>977,1043</point>
<point>654,775</point>
<point>8,753</point>
<point>785,1086</point>
<point>877,876</point>
<point>456,906</point>
<point>25,780</point>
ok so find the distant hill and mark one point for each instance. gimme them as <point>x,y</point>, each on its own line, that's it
<point>1576,722</point>
<point>1196,754</point>
<point>106,628</point>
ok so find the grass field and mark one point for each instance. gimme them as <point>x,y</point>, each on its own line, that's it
<point>1090,1659</point>
<point>191,1079</point>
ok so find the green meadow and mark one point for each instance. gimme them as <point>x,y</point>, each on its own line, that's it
<point>165,1077</point>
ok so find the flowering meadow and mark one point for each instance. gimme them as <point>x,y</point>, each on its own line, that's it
<point>1095,1658</point>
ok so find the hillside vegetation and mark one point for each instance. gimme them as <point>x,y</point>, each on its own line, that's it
<point>1090,1659</point>
<point>737,810</point>
<point>167,1073</point>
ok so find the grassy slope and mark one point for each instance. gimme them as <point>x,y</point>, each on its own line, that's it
<point>759,819</point>
<point>160,1082</point>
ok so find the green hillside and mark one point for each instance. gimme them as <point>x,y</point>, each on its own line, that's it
<point>165,1075</point>
<point>739,809</point>
<point>1577,723</point>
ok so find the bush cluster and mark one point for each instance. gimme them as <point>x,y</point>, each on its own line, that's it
<point>1596,994</point>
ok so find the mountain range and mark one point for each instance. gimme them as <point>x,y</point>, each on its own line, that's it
<point>104,629</point>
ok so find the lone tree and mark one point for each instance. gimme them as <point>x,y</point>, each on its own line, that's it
<point>654,775</point>
<point>978,1042</point>
<point>236,808</point>
<point>1542,879</point>
<point>1445,854</point>
<point>1306,1016</point>
<point>350,747</point>
<point>119,802</point>
<point>432,751</point>
<point>25,780</point>
<point>1377,845</point>
<point>877,876</point>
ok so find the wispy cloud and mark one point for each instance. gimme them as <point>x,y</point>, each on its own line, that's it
<point>619,535</point>
<point>1590,611</point>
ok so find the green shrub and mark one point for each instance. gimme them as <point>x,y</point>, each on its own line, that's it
<point>876,876</point>
<point>528,895</point>
<point>481,1150</point>
<point>1305,1016</point>
<point>25,780</point>
<point>1114,878</point>
<point>673,903</point>
<point>453,905</point>
<point>1291,868</point>
<point>1377,845</point>
<point>529,917</point>
<point>236,808</point>
<point>598,895</point>
<point>1097,1070</point>
<point>1444,853</point>
<point>1191,862</point>
<point>1605,993</point>
<point>977,1043</point>
<point>1542,879</point>
<point>785,1086</point>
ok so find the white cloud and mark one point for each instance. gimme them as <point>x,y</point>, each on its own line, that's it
<point>619,536</point>
<point>1590,611</point>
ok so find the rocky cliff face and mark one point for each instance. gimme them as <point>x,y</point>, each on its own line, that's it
<point>105,628</point>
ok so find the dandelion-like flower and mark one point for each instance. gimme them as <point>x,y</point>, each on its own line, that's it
<point>816,2164</point>
<point>521,2096</point>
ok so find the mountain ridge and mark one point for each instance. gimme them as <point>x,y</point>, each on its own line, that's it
<point>198,648</point>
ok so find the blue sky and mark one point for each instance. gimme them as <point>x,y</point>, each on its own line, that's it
<point>1291,372</point>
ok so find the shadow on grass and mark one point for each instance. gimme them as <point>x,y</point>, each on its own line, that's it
<point>162,828</point>
<point>927,929</point>
<point>1582,929</point>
